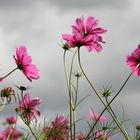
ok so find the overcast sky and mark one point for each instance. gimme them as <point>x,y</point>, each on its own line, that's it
<point>39,24</point>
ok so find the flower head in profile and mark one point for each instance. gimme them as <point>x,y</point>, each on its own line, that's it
<point>133,61</point>
<point>85,33</point>
<point>24,63</point>
<point>27,108</point>
<point>93,116</point>
<point>11,120</point>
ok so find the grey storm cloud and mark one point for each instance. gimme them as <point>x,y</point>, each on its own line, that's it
<point>73,4</point>
<point>64,4</point>
<point>16,4</point>
<point>38,24</point>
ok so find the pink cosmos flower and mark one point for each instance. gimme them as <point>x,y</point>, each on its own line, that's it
<point>93,116</point>
<point>11,120</point>
<point>10,133</point>
<point>101,135</point>
<point>85,33</point>
<point>27,108</point>
<point>133,61</point>
<point>59,129</point>
<point>24,63</point>
<point>81,136</point>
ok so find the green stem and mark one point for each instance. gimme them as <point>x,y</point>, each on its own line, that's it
<point>109,104</point>
<point>127,138</point>
<point>121,125</point>
<point>74,123</point>
<point>70,89</point>
<point>2,105</point>
<point>65,68</point>
<point>68,79</point>
<point>75,107</point>
<point>32,131</point>
<point>8,74</point>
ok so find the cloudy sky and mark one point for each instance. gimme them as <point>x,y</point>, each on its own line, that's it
<point>39,24</point>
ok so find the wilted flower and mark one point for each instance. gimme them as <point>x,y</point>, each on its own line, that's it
<point>24,63</point>
<point>133,61</point>
<point>85,34</point>
<point>27,108</point>
<point>11,120</point>
<point>8,93</point>
<point>59,129</point>
<point>93,116</point>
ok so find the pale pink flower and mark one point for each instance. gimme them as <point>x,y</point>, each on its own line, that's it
<point>133,61</point>
<point>27,108</point>
<point>24,63</point>
<point>81,136</point>
<point>93,116</point>
<point>101,135</point>
<point>11,120</point>
<point>85,33</point>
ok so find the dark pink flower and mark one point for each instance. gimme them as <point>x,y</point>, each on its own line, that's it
<point>85,33</point>
<point>11,120</point>
<point>133,61</point>
<point>27,108</point>
<point>93,116</point>
<point>24,63</point>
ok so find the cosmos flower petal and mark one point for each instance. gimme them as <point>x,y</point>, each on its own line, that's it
<point>133,61</point>
<point>24,63</point>
<point>93,116</point>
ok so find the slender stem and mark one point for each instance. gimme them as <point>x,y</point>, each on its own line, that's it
<point>65,68</point>
<point>32,131</point>
<point>8,74</point>
<point>70,90</point>
<point>109,104</point>
<point>76,92</point>
<point>75,107</point>
<point>127,138</point>
<point>74,123</point>
<point>2,105</point>
<point>121,88</point>
<point>121,125</point>
<point>68,80</point>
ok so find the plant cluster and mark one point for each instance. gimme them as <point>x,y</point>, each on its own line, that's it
<point>85,33</point>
